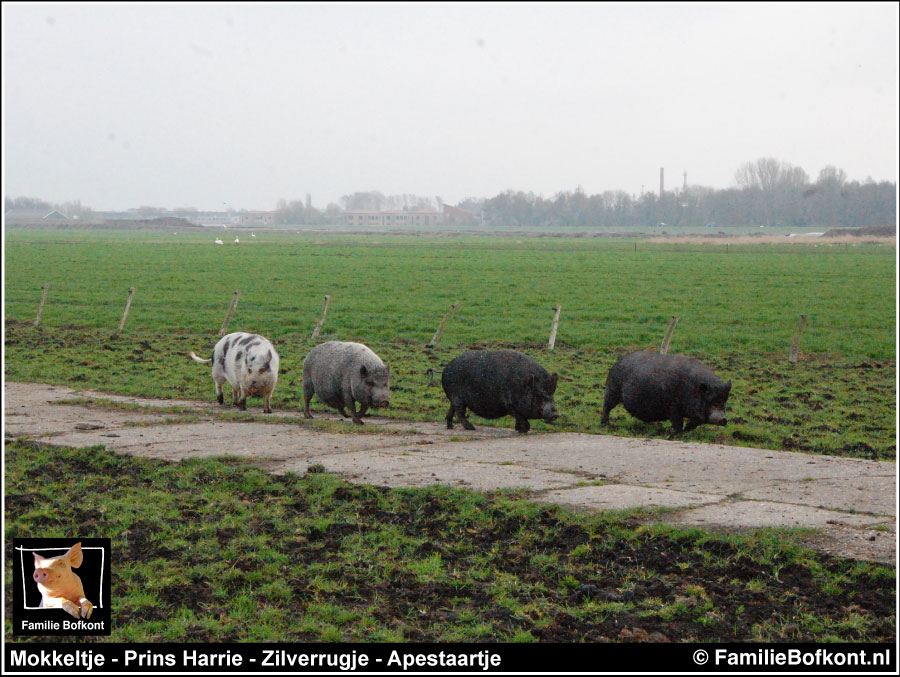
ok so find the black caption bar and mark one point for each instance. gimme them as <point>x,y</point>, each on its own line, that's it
<point>447,658</point>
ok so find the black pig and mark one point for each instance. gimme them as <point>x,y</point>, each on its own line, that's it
<point>495,383</point>
<point>656,387</point>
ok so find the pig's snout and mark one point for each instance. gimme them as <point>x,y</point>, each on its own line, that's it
<point>549,414</point>
<point>40,576</point>
<point>385,402</point>
<point>718,418</point>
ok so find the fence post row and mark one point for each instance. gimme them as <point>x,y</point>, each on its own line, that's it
<point>37,320</point>
<point>124,313</point>
<point>437,334</point>
<point>230,313</point>
<point>664,348</point>
<point>321,321</point>
<point>795,345</point>
<point>552,341</point>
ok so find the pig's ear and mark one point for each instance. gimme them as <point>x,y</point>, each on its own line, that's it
<point>38,559</point>
<point>554,381</point>
<point>75,556</point>
<point>728,387</point>
<point>363,371</point>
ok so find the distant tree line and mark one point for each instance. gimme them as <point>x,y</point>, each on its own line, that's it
<point>768,192</point>
<point>72,209</point>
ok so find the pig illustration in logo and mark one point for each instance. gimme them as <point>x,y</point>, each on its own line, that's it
<point>60,587</point>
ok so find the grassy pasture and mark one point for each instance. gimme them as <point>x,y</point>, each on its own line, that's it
<point>214,550</point>
<point>230,553</point>
<point>738,304</point>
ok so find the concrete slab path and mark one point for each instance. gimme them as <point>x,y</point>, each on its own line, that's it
<point>851,503</point>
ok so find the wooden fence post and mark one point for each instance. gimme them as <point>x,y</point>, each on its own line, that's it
<point>795,345</point>
<point>437,334</point>
<point>230,312</point>
<point>37,320</point>
<point>124,314</point>
<point>554,327</point>
<point>321,321</point>
<point>664,348</point>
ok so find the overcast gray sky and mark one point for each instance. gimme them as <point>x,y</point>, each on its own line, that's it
<point>238,105</point>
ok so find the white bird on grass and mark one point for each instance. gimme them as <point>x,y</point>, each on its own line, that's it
<point>218,241</point>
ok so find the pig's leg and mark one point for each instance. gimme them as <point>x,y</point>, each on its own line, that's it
<point>343,412</point>
<point>242,403</point>
<point>449,417</point>
<point>363,408</point>
<point>610,400</point>
<point>71,608</point>
<point>308,392</point>
<point>220,396</point>
<point>691,424</point>
<point>461,415</point>
<point>355,416</point>
<point>267,409</point>
<point>677,422</point>
<point>86,607</point>
<point>522,424</point>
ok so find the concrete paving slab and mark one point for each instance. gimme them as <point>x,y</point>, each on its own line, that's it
<point>622,497</point>
<point>667,464</point>
<point>474,476</point>
<point>866,494</point>
<point>253,440</point>
<point>755,514</point>
<point>851,502</point>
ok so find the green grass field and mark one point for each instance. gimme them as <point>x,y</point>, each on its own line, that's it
<point>738,305</point>
<point>230,553</point>
<point>210,550</point>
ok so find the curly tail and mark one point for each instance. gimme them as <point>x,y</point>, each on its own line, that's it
<point>197,359</point>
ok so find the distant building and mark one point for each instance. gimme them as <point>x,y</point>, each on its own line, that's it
<point>27,215</point>
<point>367,217</point>
<point>456,215</point>
<point>256,218</point>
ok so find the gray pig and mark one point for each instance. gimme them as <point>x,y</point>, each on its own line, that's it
<point>250,365</point>
<point>495,383</point>
<point>343,373</point>
<point>656,387</point>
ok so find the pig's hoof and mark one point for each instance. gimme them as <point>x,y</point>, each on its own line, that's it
<point>468,426</point>
<point>306,414</point>
<point>86,608</point>
<point>71,609</point>
<point>358,421</point>
<point>267,411</point>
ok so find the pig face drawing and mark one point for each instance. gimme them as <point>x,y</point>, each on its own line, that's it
<point>61,587</point>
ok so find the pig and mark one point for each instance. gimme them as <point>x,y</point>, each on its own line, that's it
<point>343,373</point>
<point>495,383</point>
<point>60,586</point>
<point>656,387</point>
<point>250,365</point>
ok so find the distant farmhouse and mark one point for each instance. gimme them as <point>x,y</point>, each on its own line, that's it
<point>29,215</point>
